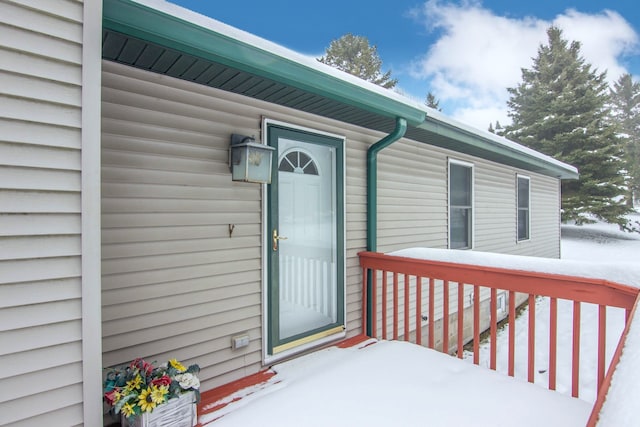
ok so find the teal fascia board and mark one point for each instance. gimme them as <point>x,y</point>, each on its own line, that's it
<point>155,26</point>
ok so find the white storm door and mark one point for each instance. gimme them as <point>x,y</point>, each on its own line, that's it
<point>306,238</point>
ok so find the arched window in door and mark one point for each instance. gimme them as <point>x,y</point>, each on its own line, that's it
<point>298,162</point>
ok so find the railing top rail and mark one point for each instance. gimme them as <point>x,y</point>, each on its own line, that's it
<point>583,289</point>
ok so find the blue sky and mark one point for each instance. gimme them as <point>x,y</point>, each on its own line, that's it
<point>466,52</point>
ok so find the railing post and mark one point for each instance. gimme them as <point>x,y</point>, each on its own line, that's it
<point>532,338</point>
<point>365,293</point>
<point>553,342</point>
<point>460,318</point>
<point>419,310</point>
<point>575,364</point>
<point>493,327</point>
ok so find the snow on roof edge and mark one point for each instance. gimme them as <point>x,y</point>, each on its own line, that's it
<point>500,140</point>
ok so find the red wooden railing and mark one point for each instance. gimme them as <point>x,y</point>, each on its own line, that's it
<point>412,275</point>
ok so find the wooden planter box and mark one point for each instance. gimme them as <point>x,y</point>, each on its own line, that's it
<point>178,412</point>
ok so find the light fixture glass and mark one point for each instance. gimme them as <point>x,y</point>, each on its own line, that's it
<point>250,161</point>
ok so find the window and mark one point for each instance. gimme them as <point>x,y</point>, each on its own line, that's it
<point>524,216</point>
<point>460,205</point>
<point>298,162</point>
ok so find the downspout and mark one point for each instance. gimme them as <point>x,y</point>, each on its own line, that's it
<point>372,181</point>
<point>372,196</point>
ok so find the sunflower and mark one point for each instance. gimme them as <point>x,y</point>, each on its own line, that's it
<point>145,400</point>
<point>134,384</point>
<point>177,365</point>
<point>158,394</point>
<point>128,409</point>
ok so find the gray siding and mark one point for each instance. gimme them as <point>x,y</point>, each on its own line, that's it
<point>40,226</point>
<point>412,203</point>
<point>174,283</point>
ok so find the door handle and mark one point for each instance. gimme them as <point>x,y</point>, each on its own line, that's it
<point>276,238</point>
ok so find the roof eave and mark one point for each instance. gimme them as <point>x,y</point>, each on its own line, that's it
<point>157,26</point>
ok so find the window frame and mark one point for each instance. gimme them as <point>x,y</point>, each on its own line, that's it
<point>450,207</point>
<point>518,208</point>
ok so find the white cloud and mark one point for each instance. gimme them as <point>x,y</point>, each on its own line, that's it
<point>479,54</point>
<point>604,38</point>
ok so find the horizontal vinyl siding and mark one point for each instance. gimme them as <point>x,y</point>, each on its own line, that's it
<point>174,283</point>
<point>412,197</point>
<point>496,213</point>
<point>40,226</point>
<point>413,203</point>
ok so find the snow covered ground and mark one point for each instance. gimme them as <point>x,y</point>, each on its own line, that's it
<point>601,242</point>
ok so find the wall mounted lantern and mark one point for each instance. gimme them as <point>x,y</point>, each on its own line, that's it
<point>250,161</point>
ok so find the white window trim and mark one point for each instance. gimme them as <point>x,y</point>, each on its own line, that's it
<point>451,161</point>
<point>528,178</point>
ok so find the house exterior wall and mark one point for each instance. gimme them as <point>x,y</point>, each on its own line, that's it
<point>174,283</point>
<point>41,59</point>
<point>413,200</point>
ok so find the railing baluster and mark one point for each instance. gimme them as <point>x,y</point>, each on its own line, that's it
<point>602,341</point>
<point>395,305</point>
<point>553,342</point>
<point>512,333</point>
<point>532,338</point>
<point>494,325</point>
<point>419,310</point>
<point>431,312</point>
<point>575,364</point>
<point>476,324</point>
<point>460,318</point>
<point>445,316</point>
<point>364,299</point>
<point>407,288</point>
<point>384,305</point>
<point>374,303</point>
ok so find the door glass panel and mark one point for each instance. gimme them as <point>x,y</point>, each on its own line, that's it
<point>307,218</point>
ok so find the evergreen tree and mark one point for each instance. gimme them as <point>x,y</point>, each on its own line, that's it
<point>354,55</point>
<point>560,109</point>
<point>498,129</point>
<point>432,102</point>
<point>625,100</point>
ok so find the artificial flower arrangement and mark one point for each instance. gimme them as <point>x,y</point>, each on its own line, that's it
<point>140,387</point>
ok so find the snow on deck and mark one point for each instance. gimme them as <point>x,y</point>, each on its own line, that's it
<point>625,273</point>
<point>388,383</point>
